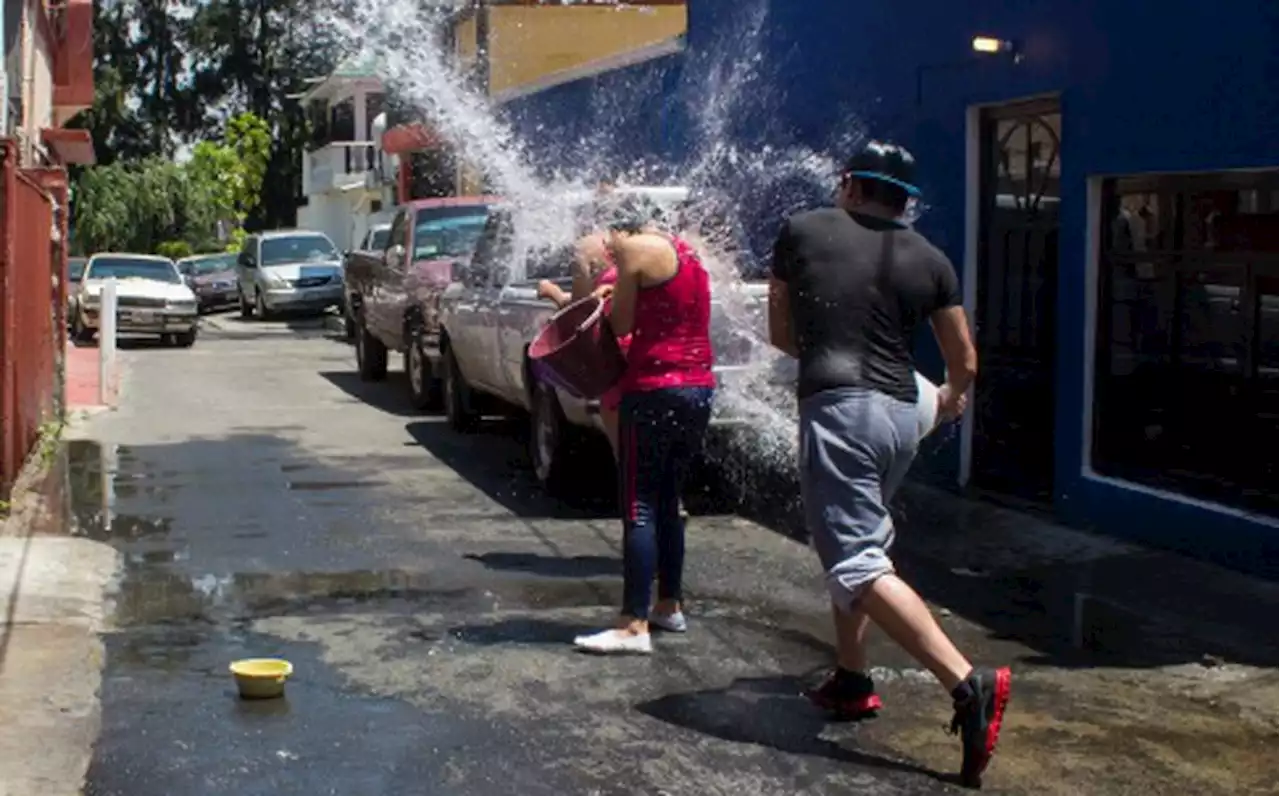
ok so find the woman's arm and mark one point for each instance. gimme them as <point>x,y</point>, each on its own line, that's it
<point>588,258</point>
<point>554,293</point>
<point>629,257</point>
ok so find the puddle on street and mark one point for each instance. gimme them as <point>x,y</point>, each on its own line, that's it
<point>1068,613</point>
<point>323,486</point>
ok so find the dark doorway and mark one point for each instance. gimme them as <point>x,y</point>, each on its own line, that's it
<point>1015,318</point>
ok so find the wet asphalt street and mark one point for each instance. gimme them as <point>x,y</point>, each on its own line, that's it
<point>265,502</point>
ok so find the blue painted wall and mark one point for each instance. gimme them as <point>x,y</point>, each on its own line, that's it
<point>1145,86</point>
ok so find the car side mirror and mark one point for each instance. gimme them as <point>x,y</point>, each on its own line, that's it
<point>394,254</point>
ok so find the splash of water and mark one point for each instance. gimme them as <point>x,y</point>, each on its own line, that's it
<point>742,180</point>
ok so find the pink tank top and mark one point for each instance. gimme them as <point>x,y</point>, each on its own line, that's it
<point>670,342</point>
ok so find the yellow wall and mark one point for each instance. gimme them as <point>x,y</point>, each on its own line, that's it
<point>465,32</point>
<point>529,43</point>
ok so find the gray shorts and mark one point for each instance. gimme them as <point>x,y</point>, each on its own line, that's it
<point>856,446</point>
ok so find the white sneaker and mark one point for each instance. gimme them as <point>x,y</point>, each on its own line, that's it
<point>672,623</point>
<point>615,642</point>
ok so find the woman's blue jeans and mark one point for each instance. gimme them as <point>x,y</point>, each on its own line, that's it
<point>660,433</point>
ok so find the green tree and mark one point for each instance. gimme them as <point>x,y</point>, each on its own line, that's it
<point>228,175</point>
<point>136,206</point>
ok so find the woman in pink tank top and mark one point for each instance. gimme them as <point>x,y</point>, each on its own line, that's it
<point>661,300</point>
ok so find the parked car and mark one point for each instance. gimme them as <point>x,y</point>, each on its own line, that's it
<point>375,240</point>
<point>287,270</point>
<point>212,277</point>
<point>489,317</point>
<point>75,270</point>
<point>394,293</point>
<point>150,294</point>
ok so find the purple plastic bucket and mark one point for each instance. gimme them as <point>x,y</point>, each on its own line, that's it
<point>577,351</point>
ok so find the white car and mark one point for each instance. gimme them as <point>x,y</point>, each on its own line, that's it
<point>151,298</point>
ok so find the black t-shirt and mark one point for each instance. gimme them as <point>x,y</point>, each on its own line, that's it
<point>859,286</point>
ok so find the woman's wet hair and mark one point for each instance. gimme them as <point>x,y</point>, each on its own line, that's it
<point>629,213</point>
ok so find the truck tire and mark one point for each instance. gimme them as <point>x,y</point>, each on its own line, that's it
<point>371,354</point>
<point>185,339</point>
<point>551,443</point>
<point>424,387</point>
<point>459,399</point>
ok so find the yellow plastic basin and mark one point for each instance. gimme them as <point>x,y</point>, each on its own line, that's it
<point>261,678</point>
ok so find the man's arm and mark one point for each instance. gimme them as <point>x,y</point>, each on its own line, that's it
<point>781,329</point>
<point>781,333</point>
<point>951,328</point>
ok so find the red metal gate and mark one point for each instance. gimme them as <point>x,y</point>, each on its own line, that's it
<point>29,335</point>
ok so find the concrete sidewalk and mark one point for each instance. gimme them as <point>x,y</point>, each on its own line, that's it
<point>52,593</point>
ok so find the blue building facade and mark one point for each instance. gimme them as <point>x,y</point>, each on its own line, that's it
<point>1107,190</point>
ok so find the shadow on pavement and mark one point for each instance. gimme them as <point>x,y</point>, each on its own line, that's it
<point>551,566</point>
<point>494,458</point>
<point>1078,599</point>
<point>390,396</point>
<point>766,711</point>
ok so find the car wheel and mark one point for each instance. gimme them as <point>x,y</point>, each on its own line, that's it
<point>424,387</point>
<point>459,403</point>
<point>348,327</point>
<point>260,307</point>
<point>246,309</point>
<point>185,339</point>
<point>371,355</point>
<point>550,442</point>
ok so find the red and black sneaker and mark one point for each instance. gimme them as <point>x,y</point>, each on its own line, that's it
<point>977,719</point>
<point>848,696</point>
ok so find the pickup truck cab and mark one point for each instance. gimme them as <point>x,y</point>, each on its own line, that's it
<point>375,240</point>
<point>394,292</point>
<point>491,313</point>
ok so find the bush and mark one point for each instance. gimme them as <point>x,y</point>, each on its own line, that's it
<point>174,249</point>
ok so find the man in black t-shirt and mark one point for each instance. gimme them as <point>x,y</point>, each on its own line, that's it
<point>850,286</point>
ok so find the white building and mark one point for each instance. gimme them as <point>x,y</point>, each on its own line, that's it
<point>347,181</point>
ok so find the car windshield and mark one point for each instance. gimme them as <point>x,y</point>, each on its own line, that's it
<point>207,265</point>
<point>75,268</point>
<point>132,268</point>
<point>297,249</point>
<point>378,239</point>
<point>448,232</point>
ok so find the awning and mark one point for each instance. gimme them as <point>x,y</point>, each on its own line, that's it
<point>69,146</point>
<point>414,137</point>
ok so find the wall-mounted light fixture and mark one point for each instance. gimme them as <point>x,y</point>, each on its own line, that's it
<point>990,44</point>
<point>982,47</point>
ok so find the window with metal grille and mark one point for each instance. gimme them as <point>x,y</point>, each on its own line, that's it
<point>1186,371</point>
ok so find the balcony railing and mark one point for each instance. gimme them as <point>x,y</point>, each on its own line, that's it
<point>340,165</point>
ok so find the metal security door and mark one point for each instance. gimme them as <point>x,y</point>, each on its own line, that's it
<point>1017,300</point>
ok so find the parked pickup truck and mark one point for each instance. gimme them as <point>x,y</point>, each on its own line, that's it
<point>394,293</point>
<point>492,312</point>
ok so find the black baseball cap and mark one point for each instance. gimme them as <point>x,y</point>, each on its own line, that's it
<point>878,160</point>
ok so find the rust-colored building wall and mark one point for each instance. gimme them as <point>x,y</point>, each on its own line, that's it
<point>73,62</point>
